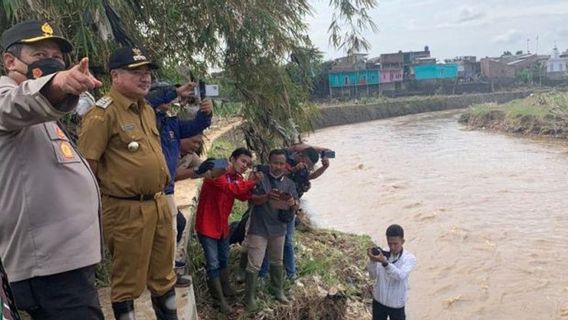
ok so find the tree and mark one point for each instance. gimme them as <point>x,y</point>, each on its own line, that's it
<point>506,53</point>
<point>251,40</point>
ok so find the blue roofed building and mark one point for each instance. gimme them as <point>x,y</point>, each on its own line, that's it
<point>351,77</point>
<point>435,71</point>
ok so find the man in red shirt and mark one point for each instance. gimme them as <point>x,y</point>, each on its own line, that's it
<point>212,222</point>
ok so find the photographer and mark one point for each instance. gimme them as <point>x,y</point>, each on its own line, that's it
<point>391,270</point>
<point>275,202</point>
<point>300,160</point>
<point>215,204</point>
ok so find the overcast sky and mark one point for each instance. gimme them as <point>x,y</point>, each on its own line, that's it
<point>456,27</point>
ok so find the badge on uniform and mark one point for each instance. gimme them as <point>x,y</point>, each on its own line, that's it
<point>133,146</point>
<point>60,133</point>
<point>128,126</point>
<point>104,102</point>
<point>66,150</point>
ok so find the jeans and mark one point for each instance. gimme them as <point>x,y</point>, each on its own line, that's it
<point>216,254</point>
<point>289,258</point>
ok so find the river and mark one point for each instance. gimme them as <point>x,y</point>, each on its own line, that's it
<point>486,214</point>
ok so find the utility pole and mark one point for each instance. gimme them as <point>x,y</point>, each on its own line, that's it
<point>528,47</point>
<point>536,50</point>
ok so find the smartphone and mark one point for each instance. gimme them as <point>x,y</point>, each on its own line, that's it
<point>328,154</point>
<point>220,164</point>
<point>204,90</point>
<point>285,196</point>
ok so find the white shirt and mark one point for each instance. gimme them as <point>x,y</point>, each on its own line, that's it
<point>391,286</point>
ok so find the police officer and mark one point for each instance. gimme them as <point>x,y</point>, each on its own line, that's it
<point>120,140</point>
<point>50,230</point>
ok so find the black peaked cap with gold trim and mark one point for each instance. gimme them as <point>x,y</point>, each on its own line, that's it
<point>128,58</point>
<point>32,32</point>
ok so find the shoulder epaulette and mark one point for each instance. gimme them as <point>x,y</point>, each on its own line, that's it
<point>104,102</point>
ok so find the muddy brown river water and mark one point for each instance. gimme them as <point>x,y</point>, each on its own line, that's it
<point>485,214</point>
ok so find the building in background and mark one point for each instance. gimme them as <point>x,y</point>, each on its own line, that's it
<point>469,69</point>
<point>556,66</point>
<point>510,66</point>
<point>353,81</point>
<point>435,71</point>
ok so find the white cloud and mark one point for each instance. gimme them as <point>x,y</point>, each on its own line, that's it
<point>510,37</point>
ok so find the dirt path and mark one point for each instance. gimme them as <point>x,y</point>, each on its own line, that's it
<point>185,192</point>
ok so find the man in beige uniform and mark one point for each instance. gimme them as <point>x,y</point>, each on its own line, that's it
<point>120,140</point>
<point>49,202</point>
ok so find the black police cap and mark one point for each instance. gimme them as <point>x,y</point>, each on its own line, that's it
<point>32,32</point>
<point>128,58</point>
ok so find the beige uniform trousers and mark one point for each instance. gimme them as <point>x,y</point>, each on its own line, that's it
<point>140,238</point>
<point>258,246</point>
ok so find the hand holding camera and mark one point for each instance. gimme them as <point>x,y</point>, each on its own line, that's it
<point>185,90</point>
<point>205,106</point>
<point>377,254</point>
<point>205,166</point>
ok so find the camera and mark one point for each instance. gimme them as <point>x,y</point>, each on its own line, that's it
<point>330,154</point>
<point>220,164</point>
<point>264,168</point>
<point>378,250</point>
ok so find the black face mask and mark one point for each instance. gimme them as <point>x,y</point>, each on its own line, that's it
<point>44,67</point>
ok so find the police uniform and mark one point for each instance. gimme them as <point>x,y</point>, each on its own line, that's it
<point>50,238</point>
<point>120,134</point>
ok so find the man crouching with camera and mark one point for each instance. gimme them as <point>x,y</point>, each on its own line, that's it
<point>391,270</point>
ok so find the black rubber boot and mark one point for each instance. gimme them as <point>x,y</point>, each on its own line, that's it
<point>216,291</point>
<point>277,282</point>
<point>228,290</point>
<point>165,306</point>
<point>123,310</point>
<point>251,280</point>
<point>242,271</point>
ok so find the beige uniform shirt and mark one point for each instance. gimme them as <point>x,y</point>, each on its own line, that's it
<point>108,130</point>
<point>49,200</point>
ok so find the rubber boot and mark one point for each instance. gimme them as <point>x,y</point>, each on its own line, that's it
<point>276,283</point>
<point>228,290</point>
<point>251,280</point>
<point>165,306</point>
<point>241,273</point>
<point>216,291</point>
<point>123,310</point>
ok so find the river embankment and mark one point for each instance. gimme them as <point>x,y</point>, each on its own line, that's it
<point>330,116</point>
<point>539,114</point>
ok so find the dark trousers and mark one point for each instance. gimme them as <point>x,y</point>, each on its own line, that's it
<point>69,295</point>
<point>381,312</point>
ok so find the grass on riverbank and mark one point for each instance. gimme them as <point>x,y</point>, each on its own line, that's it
<point>539,114</point>
<point>332,282</point>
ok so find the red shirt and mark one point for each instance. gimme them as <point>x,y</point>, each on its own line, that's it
<point>216,202</point>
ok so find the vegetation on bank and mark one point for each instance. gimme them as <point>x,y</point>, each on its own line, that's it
<point>332,282</point>
<point>544,114</point>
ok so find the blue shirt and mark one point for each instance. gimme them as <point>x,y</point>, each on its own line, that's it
<point>172,130</point>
